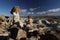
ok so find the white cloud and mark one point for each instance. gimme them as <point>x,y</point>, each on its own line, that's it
<point>43,12</point>
<point>54,10</point>
<point>50,12</point>
<point>24,10</point>
<point>30,12</point>
<point>32,9</point>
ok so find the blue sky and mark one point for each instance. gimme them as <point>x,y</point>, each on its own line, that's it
<point>30,6</point>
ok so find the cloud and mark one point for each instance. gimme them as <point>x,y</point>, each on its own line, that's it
<point>54,10</point>
<point>24,10</point>
<point>30,13</point>
<point>43,12</point>
<point>32,9</point>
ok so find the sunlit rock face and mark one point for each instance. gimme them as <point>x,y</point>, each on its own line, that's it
<point>16,17</point>
<point>4,23</point>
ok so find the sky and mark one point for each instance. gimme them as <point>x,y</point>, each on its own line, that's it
<point>34,7</point>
